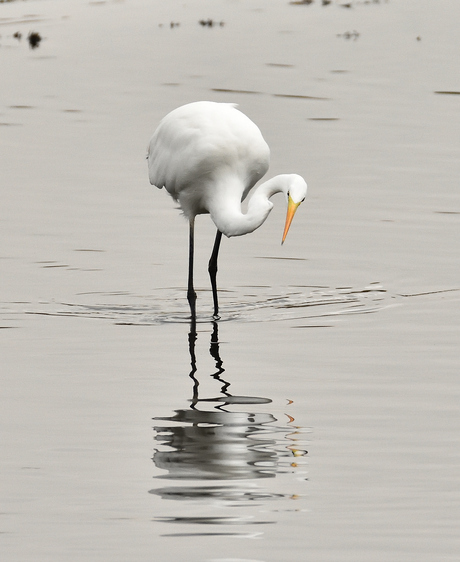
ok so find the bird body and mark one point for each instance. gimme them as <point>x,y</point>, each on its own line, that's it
<point>208,156</point>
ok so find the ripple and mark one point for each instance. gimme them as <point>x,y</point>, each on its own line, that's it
<point>245,494</point>
<point>244,304</point>
<point>222,520</point>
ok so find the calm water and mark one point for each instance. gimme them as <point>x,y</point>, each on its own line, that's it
<point>318,420</point>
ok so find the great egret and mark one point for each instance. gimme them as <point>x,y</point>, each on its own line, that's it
<point>208,156</point>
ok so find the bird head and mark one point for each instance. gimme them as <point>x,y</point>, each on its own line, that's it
<point>296,193</point>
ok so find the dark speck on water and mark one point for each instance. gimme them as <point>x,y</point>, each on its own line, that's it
<point>211,23</point>
<point>349,35</point>
<point>34,39</point>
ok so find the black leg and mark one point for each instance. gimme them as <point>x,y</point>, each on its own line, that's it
<point>212,268</point>
<point>191,295</point>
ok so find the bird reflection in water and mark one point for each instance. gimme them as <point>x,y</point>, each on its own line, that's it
<point>227,448</point>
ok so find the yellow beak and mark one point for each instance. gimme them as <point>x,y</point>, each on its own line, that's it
<point>292,208</point>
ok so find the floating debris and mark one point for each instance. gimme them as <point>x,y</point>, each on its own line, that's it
<point>349,35</point>
<point>337,3</point>
<point>17,35</point>
<point>448,93</point>
<point>34,39</point>
<point>211,23</point>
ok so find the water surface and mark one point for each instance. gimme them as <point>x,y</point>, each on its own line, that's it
<point>318,420</point>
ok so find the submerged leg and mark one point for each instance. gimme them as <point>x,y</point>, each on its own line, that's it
<point>191,295</point>
<point>212,268</point>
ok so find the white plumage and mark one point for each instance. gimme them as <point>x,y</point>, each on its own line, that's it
<point>208,156</point>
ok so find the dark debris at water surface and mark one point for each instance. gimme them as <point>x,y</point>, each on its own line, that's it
<point>211,23</point>
<point>33,38</point>
<point>349,35</point>
<point>339,3</point>
<point>208,22</point>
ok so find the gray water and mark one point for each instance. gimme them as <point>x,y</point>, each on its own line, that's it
<point>318,420</point>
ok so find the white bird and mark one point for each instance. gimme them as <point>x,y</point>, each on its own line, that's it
<point>208,156</point>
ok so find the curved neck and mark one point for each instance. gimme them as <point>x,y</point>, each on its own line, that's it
<point>226,210</point>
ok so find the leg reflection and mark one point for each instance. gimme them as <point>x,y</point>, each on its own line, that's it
<point>208,440</point>
<point>229,437</point>
<point>192,336</point>
<point>214,351</point>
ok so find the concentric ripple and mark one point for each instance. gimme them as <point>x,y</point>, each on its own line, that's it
<point>245,303</point>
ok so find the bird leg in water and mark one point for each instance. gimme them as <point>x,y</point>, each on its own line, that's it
<point>191,295</point>
<point>212,268</point>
